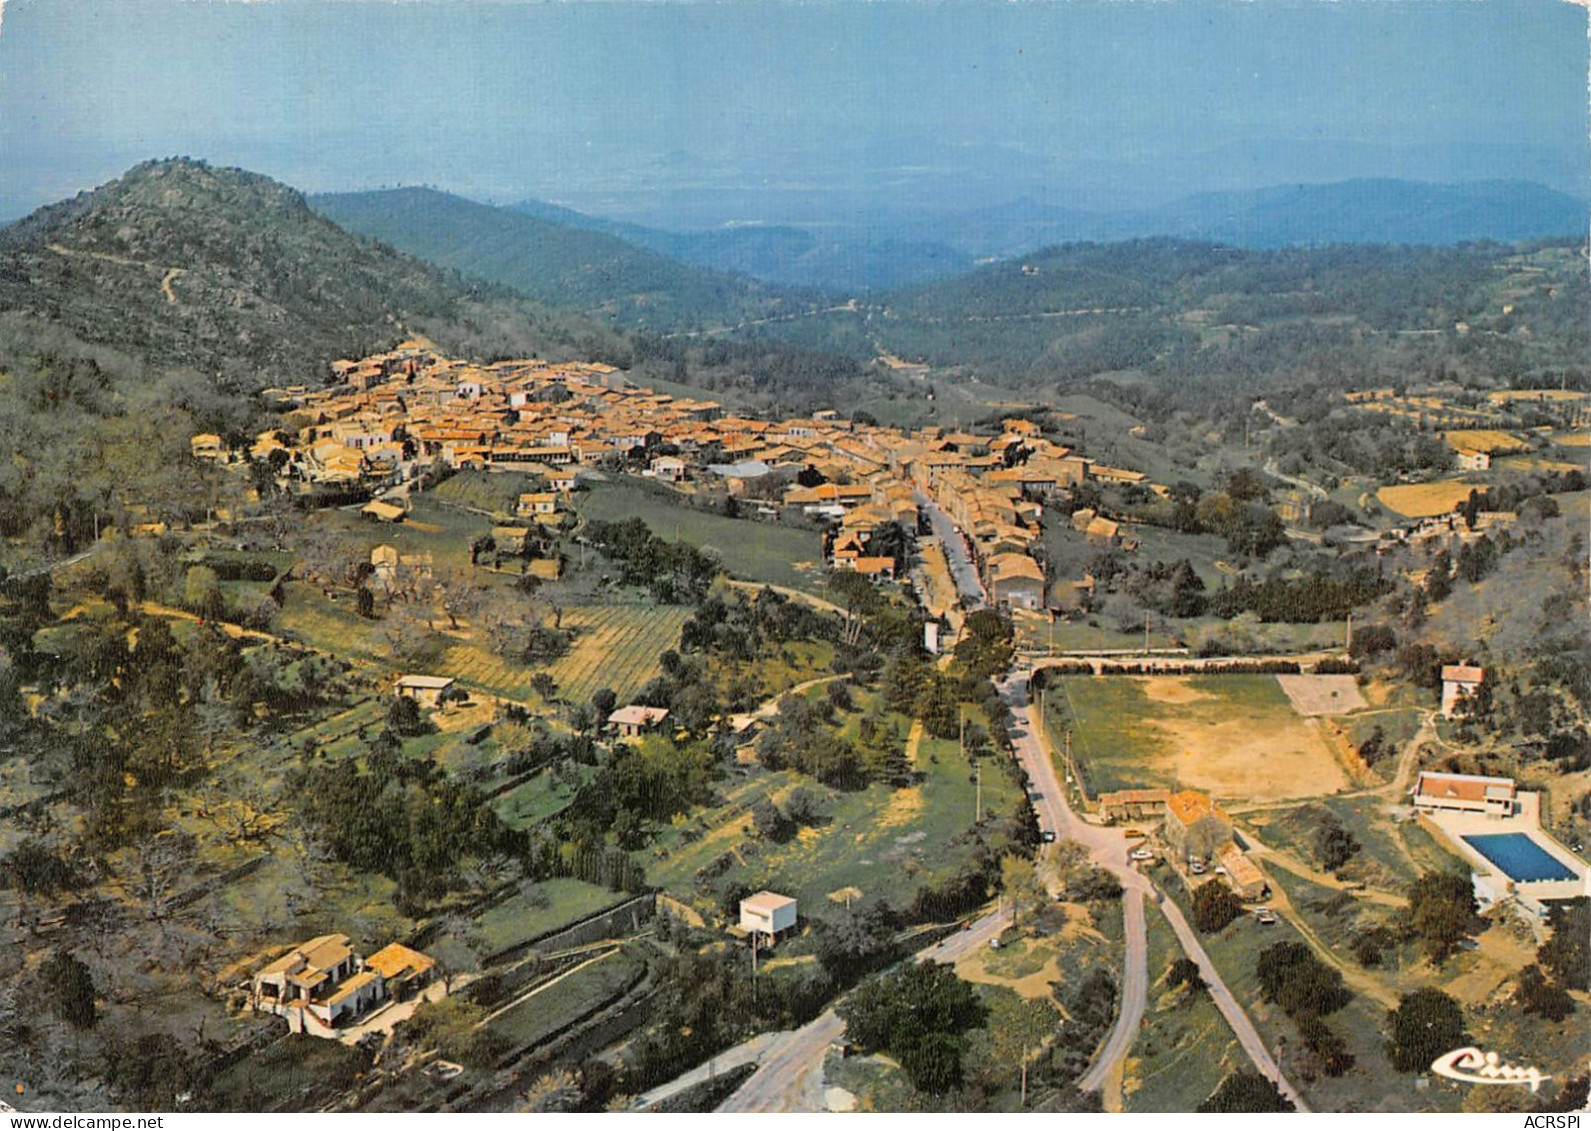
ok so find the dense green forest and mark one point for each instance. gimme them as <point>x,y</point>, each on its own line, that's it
<point>1205,319</point>
<point>560,265</point>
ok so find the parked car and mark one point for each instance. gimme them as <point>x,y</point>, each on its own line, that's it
<point>1265,916</point>
<point>1141,854</point>
<point>1049,836</point>
<point>1196,867</point>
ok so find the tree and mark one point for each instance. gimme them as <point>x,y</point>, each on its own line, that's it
<point>404,717</point>
<point>1441,909</point>
<point>854,941</point>
<point>1334,844</point>
<point>1019,1028</point>
<point>543,684</point>
<point>919,1016</point>
<point>69,989</point>
<point>1214,906</point>
<point>1540,997</point>
<point>1567,952</point>
<point>1293,977</point>
<point>201,592</point>
<point>1247,1091</point>
<point>1425,1024</point>
<point>1185,972</point>
<point>1022,885</point>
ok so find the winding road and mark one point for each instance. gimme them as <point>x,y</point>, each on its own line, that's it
<point>1108,849</point>
<point>790,1077</point>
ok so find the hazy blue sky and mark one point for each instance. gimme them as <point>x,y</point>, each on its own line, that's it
<point>606,102</point>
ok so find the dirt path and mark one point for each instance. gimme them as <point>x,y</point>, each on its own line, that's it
<point>172,274</point>
<point>785,591</point>
<point>770,707</point>
<point>1288,862</point>
<point>1356,979</point>
<point>236,631</point>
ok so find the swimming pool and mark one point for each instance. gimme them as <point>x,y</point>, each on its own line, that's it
<point>1520,858</point>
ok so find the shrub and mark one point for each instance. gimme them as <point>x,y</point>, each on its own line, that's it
<point>1214,906</point>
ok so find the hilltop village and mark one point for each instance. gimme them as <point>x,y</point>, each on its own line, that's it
<point>386,420</point>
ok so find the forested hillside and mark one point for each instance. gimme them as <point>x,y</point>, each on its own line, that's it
<point>1198,315</point>
<point>561,265</point>
<point>232,274</point>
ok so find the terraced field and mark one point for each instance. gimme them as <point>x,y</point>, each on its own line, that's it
<point>617,646</point>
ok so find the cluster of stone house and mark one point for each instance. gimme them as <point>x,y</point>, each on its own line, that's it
<point>389,416</point>
<point>1194,828</point>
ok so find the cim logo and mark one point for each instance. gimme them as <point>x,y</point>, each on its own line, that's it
<point>1471,1066</point>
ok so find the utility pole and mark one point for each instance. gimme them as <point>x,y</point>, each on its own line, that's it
<point>1347,645</point>
<point>977,809</point>
<point>1146,632</point>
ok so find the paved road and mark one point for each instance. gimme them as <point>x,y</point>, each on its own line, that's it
<point>1108,849</point>
<point>1134,993</point>
<point>956,553</point>
<point>790,1078</point>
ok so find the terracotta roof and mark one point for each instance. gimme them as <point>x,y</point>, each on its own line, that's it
<point>1462,787</point>
<point>1190,806</point>
<point>396,961</point>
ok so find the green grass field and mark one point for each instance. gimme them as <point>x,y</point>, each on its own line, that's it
<point>1235,951</point>
<point>883,841</point>
<point>543,796</point>
<point>1185,1047</point>
<point>1234,736</point>
<point>564,1000</point>
<point>753,551</point>
<point>548,905</point>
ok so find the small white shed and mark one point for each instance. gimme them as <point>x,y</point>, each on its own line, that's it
<point>767,913</point>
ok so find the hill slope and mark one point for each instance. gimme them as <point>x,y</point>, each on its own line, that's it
<point>843,258</point>
<point>564,265</point>
<point>183,265</point>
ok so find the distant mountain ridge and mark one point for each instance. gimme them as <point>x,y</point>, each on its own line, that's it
<point>859,259</point>
<point>882,251</point>
<point>558,261</point>
<point>1360,212</point>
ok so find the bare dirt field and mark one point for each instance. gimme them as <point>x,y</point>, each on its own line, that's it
<point>1425,500</point>
<point>1322,694</point>
<point>1237,737</point>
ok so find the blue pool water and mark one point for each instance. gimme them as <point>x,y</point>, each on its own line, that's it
<point>1520,857</point>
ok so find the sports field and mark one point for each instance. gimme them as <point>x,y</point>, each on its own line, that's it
<point>1234,736</point>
